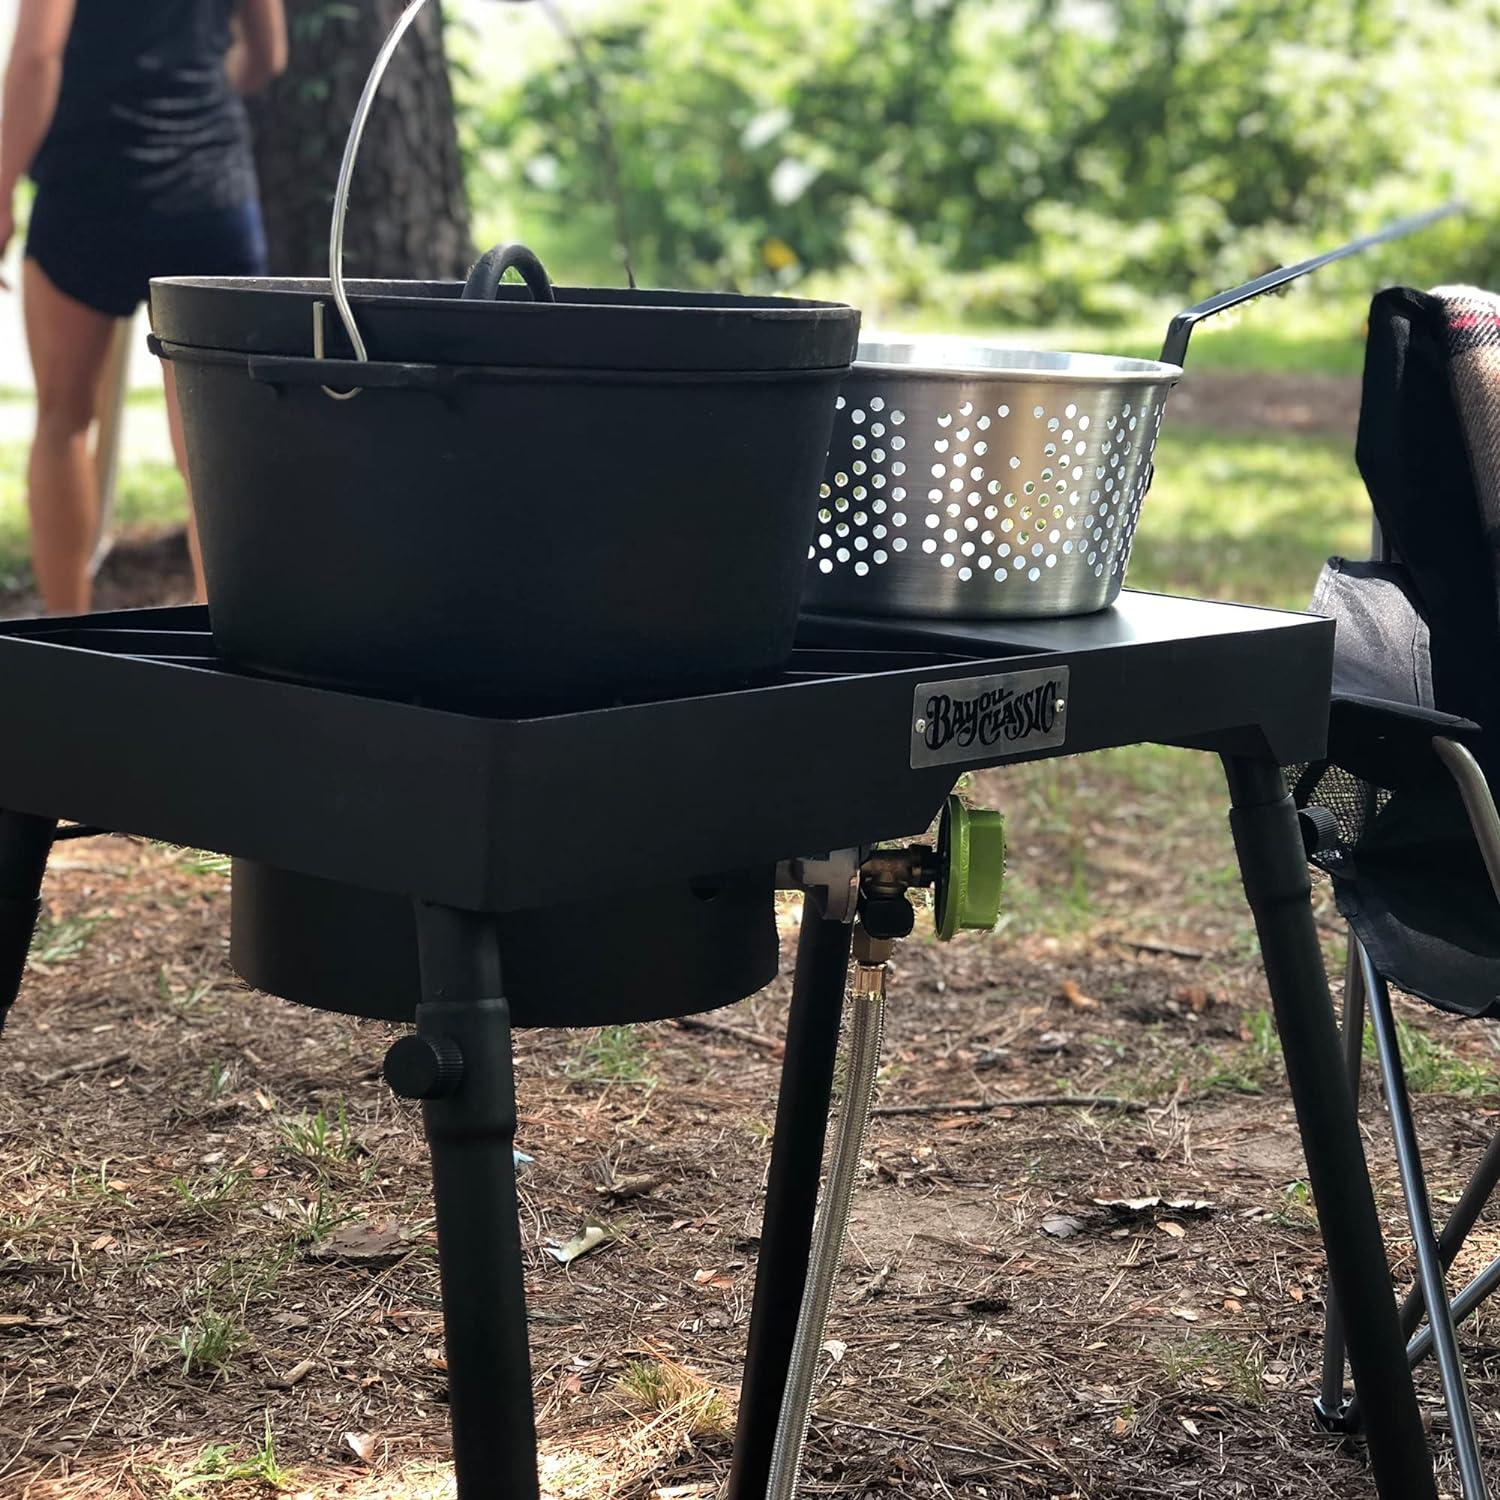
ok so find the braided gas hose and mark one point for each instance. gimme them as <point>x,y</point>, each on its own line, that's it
<point>867,1005</point>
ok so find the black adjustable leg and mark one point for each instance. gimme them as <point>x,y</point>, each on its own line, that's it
<point>459,1064</point>
<point>1335,1411</point>
<point>1273,866</point>
<point>791,1193</point>
<point>25,843</point>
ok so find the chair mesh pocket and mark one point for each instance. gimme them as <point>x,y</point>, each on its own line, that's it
<point>1355,805</point>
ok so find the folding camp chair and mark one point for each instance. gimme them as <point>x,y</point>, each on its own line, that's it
<point>1400,815</point>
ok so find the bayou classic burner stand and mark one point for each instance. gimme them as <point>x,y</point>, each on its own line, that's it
<point>453,817</point>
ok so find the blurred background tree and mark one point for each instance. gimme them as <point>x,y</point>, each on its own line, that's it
<point>409,211</point>
<point>1019,160</point>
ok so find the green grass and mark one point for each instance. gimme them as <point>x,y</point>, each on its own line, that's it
<point>611,1054</point>
<point>667,1389</point>
<point>219,1463</point>
<point>323,1139</point>
<point>1248,516</point>
<point>59,941</point>
<point>210,1342</point>
<point>1219,1363</point>
<point>1434,1068</point>
<point>211,1195</point>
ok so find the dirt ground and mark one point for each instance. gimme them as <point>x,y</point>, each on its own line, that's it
<point>216,1254</point>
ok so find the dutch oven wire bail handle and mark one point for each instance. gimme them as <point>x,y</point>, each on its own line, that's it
<point>484,279</point>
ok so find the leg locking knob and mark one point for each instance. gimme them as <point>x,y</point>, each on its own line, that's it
<point>421,1067</point>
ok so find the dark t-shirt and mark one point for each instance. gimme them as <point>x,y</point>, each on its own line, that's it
<point>146,118</point>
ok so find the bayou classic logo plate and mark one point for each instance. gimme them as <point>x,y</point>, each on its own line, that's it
<point>986,718</point>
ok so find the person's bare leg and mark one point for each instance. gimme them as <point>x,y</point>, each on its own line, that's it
<point>69,344</point>
<point>179,451</point>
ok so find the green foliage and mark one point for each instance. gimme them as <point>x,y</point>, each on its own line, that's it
<point>1023,160</point>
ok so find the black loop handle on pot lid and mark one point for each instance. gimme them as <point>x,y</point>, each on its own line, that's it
<point>484,280</point>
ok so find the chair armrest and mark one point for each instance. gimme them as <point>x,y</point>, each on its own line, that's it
<point>1390,743</point>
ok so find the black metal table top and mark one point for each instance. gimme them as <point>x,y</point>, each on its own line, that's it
<point>128,721</point>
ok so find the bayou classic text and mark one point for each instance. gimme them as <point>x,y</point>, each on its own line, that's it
<point>991,717</point>
<point>982,718</point>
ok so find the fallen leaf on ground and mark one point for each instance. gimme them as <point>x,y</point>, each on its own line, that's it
<point>1062,1226</point>
<point>630,1185</point>
<point>1185,1313</point>
<point>591,1238</point>
<point>1173,1228</point>
<point>362,1445</point>
<point>835,1349</point>
<point>1076,998</point>
<point>1189,1426</point>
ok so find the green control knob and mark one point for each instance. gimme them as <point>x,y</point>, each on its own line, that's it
<point>971,869</point>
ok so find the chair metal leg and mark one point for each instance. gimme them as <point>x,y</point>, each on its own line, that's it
<point>1273,866</point>
<point>1424,1236</point>
<point>25,843</point>
<point>1334,1410</point>
<point>791,1192</point>
<point>1467,1300</point>
<point>458,1063</point>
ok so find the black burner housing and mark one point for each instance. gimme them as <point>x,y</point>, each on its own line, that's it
<point>609,957</point>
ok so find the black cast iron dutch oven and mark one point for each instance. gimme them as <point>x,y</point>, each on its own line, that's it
<point>523,495</point>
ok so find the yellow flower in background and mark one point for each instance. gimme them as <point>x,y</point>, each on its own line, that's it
<point>777,255</point>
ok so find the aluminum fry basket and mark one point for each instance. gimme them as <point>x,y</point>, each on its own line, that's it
<point>968,480</point>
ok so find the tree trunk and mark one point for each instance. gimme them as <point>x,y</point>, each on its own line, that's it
<point>408,213</point>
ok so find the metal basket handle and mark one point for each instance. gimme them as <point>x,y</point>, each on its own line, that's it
<point>1174,350</point>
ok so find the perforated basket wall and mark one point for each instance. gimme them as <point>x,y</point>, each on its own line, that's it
<point>955,494</point>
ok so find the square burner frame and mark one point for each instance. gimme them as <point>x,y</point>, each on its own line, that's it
<point>128,722</point>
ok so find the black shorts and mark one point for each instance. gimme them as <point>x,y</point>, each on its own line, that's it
<point>106,260</point>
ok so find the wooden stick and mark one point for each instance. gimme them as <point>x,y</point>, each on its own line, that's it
<point>1175,950</point>
<point>1027,1453</point>
<point>1037,1101</point>
<point>94,1064</point>
<point>750,1038</point>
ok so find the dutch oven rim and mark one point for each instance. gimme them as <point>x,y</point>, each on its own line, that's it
<point>282,370</point>
<point>586,328</point>
<point>514,295</point>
